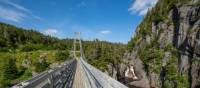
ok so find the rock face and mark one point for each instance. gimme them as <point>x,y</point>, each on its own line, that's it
<point>166,48</point>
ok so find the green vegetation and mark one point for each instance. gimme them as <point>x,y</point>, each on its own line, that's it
<point>157,14</point>
<point>153,54</point>
<point>41,66</point>
<point>133,42</point>
<point>62,55</point>
<point>101,54</point>
<point>29,40</point>
<point>10,70</point>
<point>173,76</point>
<point>31,47</point>
<point>152,58</point>
<point>13,70</point>
<point>27,51</point>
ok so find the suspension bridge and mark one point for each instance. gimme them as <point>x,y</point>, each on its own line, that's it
<point>76,73</point>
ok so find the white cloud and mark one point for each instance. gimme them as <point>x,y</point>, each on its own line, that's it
<point>10,14</point>
<point>105,32</point>
<point>17,6</point>
<point>15,12</point>
<point>141,6</point>
<point>51,32</point>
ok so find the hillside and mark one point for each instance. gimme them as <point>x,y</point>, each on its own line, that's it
<point>25,53</point>
<point>18,38</point>
<point>165,49</point>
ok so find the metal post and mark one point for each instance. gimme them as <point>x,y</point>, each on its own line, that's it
<point>80,45</point>
<point>74,51</point>
<point>77,37</point>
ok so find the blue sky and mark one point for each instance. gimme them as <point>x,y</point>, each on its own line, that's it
<point>110,20</point>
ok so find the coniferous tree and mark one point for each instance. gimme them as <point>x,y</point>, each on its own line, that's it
<point>9,69</point>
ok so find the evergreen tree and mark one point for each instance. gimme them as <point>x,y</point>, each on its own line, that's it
<point>9,69</point>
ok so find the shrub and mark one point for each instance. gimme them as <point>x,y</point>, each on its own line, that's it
<point>167,84</point>
<point>62,55</point>
<point>131,44</point>
<point>5,83</point>
<point>41,66</point>
<point>172,75</point>
<point>26,75</point>
<point>31,47</point>
<point>4,49</point>
<point>9,69</point>
<point>156,17</point>
<point>151,58</point>
<point>169,47</point>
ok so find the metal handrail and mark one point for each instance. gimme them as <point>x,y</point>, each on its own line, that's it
<point>47,79</point>
<point>101,79</point>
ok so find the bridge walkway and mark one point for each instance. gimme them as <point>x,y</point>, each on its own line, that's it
<point>80,78</point>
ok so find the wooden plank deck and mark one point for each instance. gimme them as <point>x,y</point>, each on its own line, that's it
<point>80,80</point>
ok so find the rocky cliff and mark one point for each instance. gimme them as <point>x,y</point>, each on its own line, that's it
<point>165,49</point>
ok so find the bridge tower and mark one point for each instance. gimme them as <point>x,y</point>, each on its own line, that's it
<point>77,41</point>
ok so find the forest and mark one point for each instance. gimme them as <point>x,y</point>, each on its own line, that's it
<point>26,52</point>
